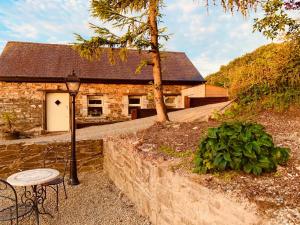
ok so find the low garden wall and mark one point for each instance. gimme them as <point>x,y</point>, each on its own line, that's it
<point>18,157</point>
<point>167,197</point>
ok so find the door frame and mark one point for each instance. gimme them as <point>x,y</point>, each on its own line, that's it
<point>44,116</point>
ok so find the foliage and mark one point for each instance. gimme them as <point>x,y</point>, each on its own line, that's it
<point>131,22</point>
<point>8,119</point>
<point>277,21</point>
<point>136,29</point>
<point>269,77</point>
<point>173,153</point>
<point>239,146</point>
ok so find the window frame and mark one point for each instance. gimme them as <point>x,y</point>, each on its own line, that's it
<point>94,97</point>
<point>135,97</point>
<point>173,105</point>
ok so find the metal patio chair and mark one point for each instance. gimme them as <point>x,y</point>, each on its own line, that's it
<point>10,209</point>
<point>52,159</point>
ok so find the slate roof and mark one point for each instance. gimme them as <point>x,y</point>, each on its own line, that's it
<point>36,62</point>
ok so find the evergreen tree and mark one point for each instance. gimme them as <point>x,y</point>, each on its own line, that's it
<point>138,21</point>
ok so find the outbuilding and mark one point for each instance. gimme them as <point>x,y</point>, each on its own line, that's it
<point>32,87</point>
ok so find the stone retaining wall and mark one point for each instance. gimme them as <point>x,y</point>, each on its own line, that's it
<point>18,157</point>
<point>168,198</point>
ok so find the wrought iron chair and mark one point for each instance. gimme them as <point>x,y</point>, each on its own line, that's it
<point>10,209</point>
<point>52,158</point>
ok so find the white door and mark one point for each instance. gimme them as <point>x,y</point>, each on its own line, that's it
<point>58,112</point>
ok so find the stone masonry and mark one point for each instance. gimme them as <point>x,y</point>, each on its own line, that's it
<point>18,157</point>
<point>27,100</point>
<point>166,197</point>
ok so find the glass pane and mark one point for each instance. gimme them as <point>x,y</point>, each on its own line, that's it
<point>170,100</point>
<point>73,86</point>
<point>134,101</point>
<point>95,102</point>
<point>94,111</point>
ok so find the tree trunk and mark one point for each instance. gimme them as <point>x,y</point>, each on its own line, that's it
<point>161,110</point>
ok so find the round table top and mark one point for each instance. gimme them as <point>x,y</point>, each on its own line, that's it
<point>33,177</point>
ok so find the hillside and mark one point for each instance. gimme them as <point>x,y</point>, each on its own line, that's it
<point>270,76</point>
<point>275,194</point>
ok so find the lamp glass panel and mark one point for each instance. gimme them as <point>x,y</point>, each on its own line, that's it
<point>73,86</point>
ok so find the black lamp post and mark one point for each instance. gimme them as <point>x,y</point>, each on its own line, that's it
<point>73,85</point>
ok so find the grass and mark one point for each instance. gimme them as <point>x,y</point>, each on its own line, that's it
<point>167,150</point>
<point>185,156</point>
<point>225,176</point>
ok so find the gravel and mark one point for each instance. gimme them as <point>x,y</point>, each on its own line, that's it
<point>127,127</point>
<point>96,201</point>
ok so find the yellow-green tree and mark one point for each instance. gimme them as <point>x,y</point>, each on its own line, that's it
<point>270,76</point>
<point>277,21</point>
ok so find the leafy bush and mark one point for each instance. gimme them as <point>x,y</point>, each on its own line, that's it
<point>239,146</point>
<point>9,120</point>
<point>267,77</point>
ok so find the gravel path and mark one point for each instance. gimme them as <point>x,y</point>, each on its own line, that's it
<point>96,201</point>
<point>98,132</point>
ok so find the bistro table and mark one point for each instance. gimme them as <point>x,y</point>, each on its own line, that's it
<point>34,178</point>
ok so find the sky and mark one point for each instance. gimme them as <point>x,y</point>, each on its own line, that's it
<point>210,38</point>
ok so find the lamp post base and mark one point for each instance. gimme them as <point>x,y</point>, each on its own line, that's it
<point>74,181</point>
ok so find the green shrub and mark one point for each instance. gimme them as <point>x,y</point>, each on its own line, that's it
<point>267,78</point>
<point>9,120</point>
<point>239,146</point>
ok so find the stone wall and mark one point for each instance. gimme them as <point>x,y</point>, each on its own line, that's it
<point>115,97</point>
<point>168,198</point>
<point>18,157</point>
<point>24,102</point>
<point>27,101</point>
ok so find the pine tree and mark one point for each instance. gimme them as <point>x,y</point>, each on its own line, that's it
<point>139,21</point>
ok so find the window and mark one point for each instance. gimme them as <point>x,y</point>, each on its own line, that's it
<point>95,106</point>
<point>134,103</point>
<point>135,100</point>
<point>170,101</point>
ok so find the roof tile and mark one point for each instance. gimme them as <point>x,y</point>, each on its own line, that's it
<point>54,61</point>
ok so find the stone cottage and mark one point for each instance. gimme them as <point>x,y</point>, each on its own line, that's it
<point>32,85</point>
